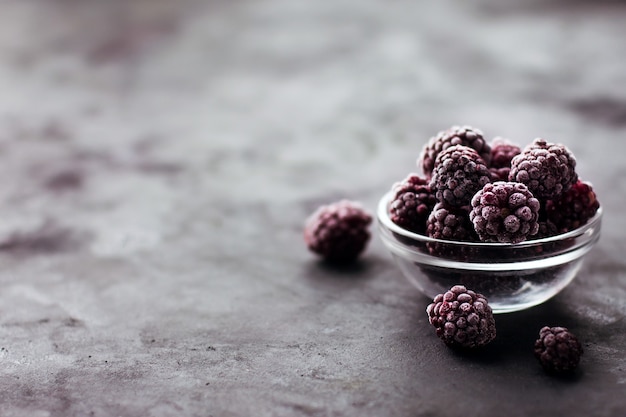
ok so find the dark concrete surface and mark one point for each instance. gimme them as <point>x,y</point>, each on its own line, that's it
<point>158,159</point>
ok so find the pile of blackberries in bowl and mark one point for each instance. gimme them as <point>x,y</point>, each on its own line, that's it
<point>511,223</point>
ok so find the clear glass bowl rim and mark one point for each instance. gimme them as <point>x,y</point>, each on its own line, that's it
<point>383,218</point>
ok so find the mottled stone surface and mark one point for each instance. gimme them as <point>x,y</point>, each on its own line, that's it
<point>158,159</point>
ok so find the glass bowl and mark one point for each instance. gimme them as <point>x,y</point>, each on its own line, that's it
<point>512,276</point>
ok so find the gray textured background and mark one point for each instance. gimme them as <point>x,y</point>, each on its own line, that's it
<point>158,159</point>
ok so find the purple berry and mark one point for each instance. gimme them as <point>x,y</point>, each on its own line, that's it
<point>456,135</point>
<point>338,232</point>
<point>450,223</point>
<point>459,172</point>
<point>547,169</point>
<point>574,208</point>
<point>505,212</point>
<point>502,152</point>
<point>412,203</point>
<point>546,229</point>
<point>557,349</point>
<point>462,318</point>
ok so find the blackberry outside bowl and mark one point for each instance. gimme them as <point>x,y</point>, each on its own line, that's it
<point>512,276</point>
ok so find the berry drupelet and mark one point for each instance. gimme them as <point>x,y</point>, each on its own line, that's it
<point>574,208</point>
<point>458,174</point>
<point>547,169</point>
<point>557,349</point>
<point>505,212</point>
<point>456,135</point>
<point>412,203</point>
<point>338,232</point>
<point>462,318</point>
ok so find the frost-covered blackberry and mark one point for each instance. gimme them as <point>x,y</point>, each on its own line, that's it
<point>547,169</point>
<point>557,349</point>
<point>574,208</point>
<point>456,135</point>
<point>546,229</point>
<point>502,152</point>
<point>462,318</point>
<point>505,212</point>
<point>450,223</point>
<point>338,232</point>
<point>412,203</point>
<point>458,174</point>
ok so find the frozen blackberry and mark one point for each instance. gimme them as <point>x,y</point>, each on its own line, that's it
<point>412,203</point>
<point>450,223</point>
<point>462,318</point>
<point>505,212</point>
<point>546,229</point>
<point>557,349</point>
<point>502,152</point>
<point>547,169</point>
<point>338,232</point>
<point>459,172</point>
<point>574,208</point>
<point>456,135</point>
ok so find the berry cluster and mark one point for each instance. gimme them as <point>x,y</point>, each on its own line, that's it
<point>449,223</point>
<point>462,318</point>
<point>505,212</point>
<point>458,173</point>
<point>473,191</point>
<point>507,194</point>
<point>502,153</point>
<point>547,169</point>
<point>557,349</point>
<point>495,192</point>
<point>574,208</point>
<point>456,135</point>
<point>412,203</point>
<point>338,232</point>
